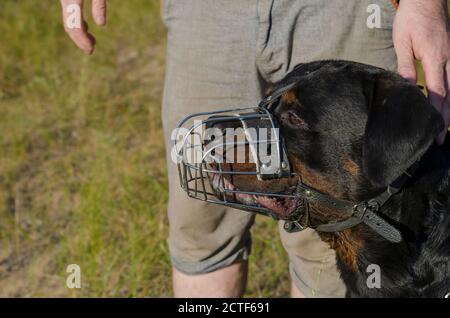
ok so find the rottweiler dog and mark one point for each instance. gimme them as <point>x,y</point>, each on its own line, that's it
<point>350,130</point>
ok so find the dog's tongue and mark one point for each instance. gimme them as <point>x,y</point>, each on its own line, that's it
<point>284,206</point>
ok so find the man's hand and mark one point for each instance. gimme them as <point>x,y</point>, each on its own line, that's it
<point>76,26</point>
<point>422,31</point>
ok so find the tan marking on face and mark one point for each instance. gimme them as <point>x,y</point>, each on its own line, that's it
<point>314,179</point>
<point>320,214</point>
<point>350,166</point>
<point>289,98</point>
<point>252,183</point>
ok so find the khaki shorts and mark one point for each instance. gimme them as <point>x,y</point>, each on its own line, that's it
<point>224,53</point>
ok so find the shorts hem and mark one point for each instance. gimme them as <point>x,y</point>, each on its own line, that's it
<point>210,265</point>
<point>306,290</point>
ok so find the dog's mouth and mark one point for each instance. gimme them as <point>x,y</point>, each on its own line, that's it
<point>283,205</point>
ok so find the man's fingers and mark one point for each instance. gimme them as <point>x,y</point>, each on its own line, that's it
<point>446,115</point>
<point>406,63</point>
<point>446,105</point>
<point>436,87</point>
<point>75,25</point>
<point>83,39</point>
<point>436,83</point>
<point>99,11</point>
<point>447,82</point>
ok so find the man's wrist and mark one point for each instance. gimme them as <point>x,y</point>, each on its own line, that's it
<point>436,8</point>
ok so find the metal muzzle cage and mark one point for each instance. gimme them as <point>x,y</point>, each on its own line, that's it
<point>206,145</point>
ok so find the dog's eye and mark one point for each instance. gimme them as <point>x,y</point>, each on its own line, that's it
<point>293,120</point>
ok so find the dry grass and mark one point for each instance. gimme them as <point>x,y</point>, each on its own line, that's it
<point>82,169</point>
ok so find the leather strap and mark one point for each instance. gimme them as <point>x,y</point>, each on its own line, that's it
<point>366,212</point>
<point>369,217</point>
<point>272,98</point>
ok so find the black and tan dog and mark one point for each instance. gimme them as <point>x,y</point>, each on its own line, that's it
<point>350,130</point>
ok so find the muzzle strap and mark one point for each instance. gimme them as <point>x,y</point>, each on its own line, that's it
<point>366,212</point>
<point>369,216</point>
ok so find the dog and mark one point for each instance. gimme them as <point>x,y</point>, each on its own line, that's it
<point>350,130</point>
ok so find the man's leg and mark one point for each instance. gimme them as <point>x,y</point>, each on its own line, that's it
<point>309,30</point>
<point>210,65</point>
<point>295,292</point>
<point>227,282</point>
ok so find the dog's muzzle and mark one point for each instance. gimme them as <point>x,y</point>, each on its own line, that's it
<point>214,149</point>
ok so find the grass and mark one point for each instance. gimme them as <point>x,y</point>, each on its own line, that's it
<point>82,169</point>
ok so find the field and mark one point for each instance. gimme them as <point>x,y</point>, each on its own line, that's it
<point>82,168</point>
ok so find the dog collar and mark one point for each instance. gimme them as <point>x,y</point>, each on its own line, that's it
<point>367,212</point>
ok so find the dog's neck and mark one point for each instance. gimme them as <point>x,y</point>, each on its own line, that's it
<point>359,247</point>
<point>427,190</point>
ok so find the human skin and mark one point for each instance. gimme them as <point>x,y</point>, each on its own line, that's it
<point>422,31</point>
<point>81,36</point>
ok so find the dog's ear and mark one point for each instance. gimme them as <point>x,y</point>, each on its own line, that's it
<point>401,125</point>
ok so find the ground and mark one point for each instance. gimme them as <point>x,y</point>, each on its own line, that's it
<point>82,169</point>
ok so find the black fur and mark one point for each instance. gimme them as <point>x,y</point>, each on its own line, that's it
<point>383,124</point>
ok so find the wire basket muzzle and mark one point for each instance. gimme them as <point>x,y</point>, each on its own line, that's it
<point>213,149</point>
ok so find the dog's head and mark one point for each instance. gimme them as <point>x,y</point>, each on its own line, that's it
<point>350,129</point>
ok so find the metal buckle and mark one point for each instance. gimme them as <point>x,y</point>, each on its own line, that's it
<point>293,226</point>
<point>360,209</point>
<point>373,205</point>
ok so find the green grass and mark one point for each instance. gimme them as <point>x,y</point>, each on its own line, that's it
<point>82,168</point>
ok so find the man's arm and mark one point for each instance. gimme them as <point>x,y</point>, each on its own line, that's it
<point>422,31</point>
<point>78,32</point>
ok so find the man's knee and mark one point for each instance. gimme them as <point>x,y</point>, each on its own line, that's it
<point>204,237</point>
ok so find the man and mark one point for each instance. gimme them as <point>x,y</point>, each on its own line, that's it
<point>224,53</point>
